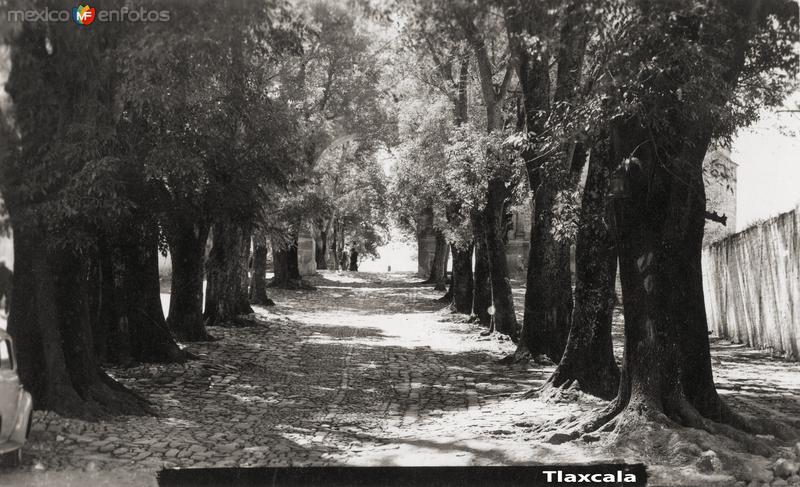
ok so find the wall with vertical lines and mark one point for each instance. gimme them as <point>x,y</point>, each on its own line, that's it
<point>752,285</point>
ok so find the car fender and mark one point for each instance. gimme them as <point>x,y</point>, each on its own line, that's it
<point>24,408</point>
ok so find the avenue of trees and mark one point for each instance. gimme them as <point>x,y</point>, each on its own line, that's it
<point>599,113</point>
<point>245,125</point>
<point>228,130</point>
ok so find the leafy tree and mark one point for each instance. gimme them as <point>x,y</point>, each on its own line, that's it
<point>62,188</point>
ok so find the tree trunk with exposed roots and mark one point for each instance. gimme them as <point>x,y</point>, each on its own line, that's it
<point>588,358</point>
<point>51,324</point>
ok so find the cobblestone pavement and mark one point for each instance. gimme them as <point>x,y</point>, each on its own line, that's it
<point>367,370</point>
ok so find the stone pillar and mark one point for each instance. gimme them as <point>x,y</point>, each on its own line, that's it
<point>306,250</point>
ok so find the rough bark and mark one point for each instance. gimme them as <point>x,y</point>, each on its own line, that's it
<point>548,294</point>
<point>129,324</point>
<point>589,356</point>
<point>505,318</point>
<point>287,269</point>
<point>150,338</point>
<point>462,278</point>
<point>187,247</point>
<point>227,269</point>
<point>438,275</point>
<point>482,292</point>
<point>321,254</point>
<point>51,323</point>
<point>493,96</point>
<point>258,288</point>
<point>335,245</point>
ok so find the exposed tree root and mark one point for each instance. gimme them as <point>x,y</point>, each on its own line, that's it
<point>102,398</point>
<point>637,422</point>
<point>784,430</point>
<point>569,391</point>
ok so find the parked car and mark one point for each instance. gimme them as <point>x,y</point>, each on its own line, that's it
<point>16,405</point>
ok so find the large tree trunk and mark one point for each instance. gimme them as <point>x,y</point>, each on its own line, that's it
<point>150,338</point>
<point>548,292</point>
<point>505,318</point>
<point>589,356</point>
<point>128,314</point>
<point>187,247</point>
<point>321,255</point>
<point>645,226</point>
<point>462,278</point>
<point>51,325</point>
<point>482,292</point>
<point>258,289</point>
<point>353,266</point>
<point>286,264</point>
<point>335,243</point>
<point>227,270</point>
<point>438,274</point>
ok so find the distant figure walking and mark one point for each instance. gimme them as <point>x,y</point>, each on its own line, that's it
<point>5,284</point>
<point>390,269</point>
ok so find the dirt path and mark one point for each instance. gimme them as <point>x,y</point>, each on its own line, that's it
<point>367,370</point>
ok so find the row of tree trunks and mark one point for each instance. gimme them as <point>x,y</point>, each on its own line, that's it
<point>51,323</point>
<point>588,358</point>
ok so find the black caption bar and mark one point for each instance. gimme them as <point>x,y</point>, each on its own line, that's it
<point>622,475</point>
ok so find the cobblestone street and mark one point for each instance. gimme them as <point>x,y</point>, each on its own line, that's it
<point>367,370</point>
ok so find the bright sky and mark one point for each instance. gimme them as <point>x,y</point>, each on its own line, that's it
<point>768,154</point>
